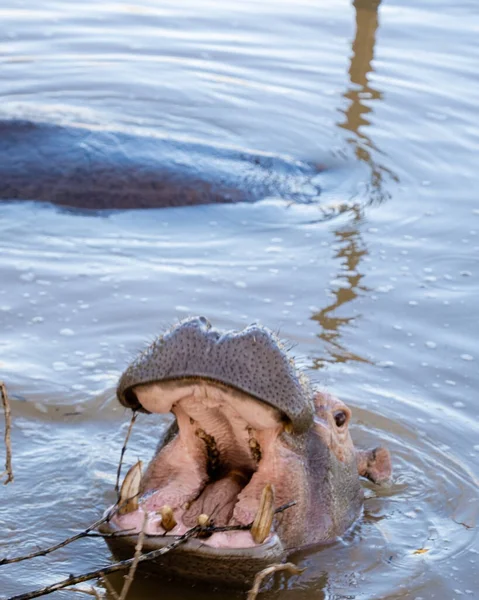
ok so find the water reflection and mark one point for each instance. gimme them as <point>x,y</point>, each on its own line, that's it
<point>349,285</point>
<point>351,247</point>
<point>361,95</point>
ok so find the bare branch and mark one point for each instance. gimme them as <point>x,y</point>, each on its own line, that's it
<point>88,532</point>
<point>8,442</point>
<point>44,551</point>
<point>123,450</point>
<point>109,587</point>
<point>131,573</point>
<point>259,578</point>
<point>100,573</point>
<point>126,564</point>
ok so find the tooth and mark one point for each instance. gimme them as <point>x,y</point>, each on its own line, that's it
<point>130,488</point>
<point>264,517</point>
<point>203,520</point>
<point>168,520</point>
<point>255,449</point>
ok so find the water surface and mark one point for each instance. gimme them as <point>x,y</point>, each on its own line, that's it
<point>376,285</point>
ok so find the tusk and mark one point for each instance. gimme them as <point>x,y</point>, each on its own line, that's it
<point>203,520</point>
<point>130,488</point>
<point>264,517</point>
<point>168,521</point>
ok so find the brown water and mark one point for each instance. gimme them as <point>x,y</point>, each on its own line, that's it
<point>379,291</point>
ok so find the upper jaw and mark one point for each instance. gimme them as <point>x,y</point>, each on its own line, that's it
<point>252,361</point>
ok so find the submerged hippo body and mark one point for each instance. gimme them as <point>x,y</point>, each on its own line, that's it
<point>94,168</point>
<point>248,425</point>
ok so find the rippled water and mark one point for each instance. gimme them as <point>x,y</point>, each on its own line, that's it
<point>376,285</point>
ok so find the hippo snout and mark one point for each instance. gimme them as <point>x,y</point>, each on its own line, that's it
<point>250,435</point>
<point>252,361</point>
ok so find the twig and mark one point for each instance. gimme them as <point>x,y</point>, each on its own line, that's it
<point>463,524</point>
<point>100,573</point>
<point>131,573</point>
<point>259,578</point>
<point>88,532</point>
<point>44,551</point>
<point>111,590</point>
<point>125,564</point>
<point>123,450</point>
<point>136,558</point>
<point>8,442</point>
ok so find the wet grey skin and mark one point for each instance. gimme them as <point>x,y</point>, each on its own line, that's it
<point>93,168</point>
<point>310,459</point>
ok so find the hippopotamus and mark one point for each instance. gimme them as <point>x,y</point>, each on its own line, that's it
<point>100,168</point>
<point>251,434</point>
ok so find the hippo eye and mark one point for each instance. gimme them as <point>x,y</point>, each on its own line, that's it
<point>340,418</point>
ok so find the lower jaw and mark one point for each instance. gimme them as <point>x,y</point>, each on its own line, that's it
<point>195,560</point>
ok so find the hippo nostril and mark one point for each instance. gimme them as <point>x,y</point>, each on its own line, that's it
<point>131,399</point>
<point>204,321</point>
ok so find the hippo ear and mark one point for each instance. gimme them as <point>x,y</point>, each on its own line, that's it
<point>374,464</point>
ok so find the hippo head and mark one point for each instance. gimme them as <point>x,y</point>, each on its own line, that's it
<point>250,435</point>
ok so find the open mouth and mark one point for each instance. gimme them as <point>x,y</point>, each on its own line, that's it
<point>225,466</point>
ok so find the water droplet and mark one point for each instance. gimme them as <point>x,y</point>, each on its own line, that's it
<point>181,308</point>
<point>59,366</point>
<point>67,331</point>
<point>386,364</point>
<point>384,289</point>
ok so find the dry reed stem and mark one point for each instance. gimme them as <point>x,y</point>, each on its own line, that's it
<point>88,532</point>
<point>131,573</point>
<point>44,551</point>
<point>123,450</point>
<point>8,428</point>
<point>111,590</point>
<point>260,577</point>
